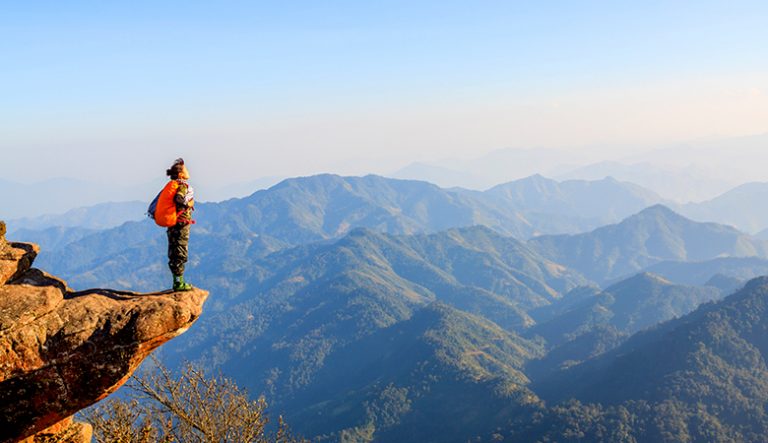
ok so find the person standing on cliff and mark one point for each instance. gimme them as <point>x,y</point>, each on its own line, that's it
<point>178,234</point>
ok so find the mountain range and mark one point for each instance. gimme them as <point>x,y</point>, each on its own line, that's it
<point>324,207</point>
<point>371,309</point>
<point>327,206</point>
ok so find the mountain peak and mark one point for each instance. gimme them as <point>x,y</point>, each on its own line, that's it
<point>535,180</point>
<point>659,209</point>
<point>641,280</point>
<point>657,214</point>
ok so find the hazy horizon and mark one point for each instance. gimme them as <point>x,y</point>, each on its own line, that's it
<point>244,91</point>
<point>696,171</point>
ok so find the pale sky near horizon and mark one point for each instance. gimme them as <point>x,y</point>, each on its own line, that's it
<point>251,89</point>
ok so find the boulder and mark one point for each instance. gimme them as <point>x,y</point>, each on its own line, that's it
<point>62,351</point>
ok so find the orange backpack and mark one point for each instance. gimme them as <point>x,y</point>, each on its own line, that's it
<point>165,212</point>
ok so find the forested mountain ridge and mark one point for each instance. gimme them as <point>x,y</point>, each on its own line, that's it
<point>702,377</point>
<point>605,201</point>
<point>600,323</point>
<point>651,236</point>
<point>369,280</point>
<point>442,375</point>
<point>631,305</point>
<point>313,316</point>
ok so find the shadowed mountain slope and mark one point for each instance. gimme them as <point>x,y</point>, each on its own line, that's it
<point>321,296</point>
<point>702,377</point>
<point>442,375</point>
<point>601,323</point>
<point>629,306</point>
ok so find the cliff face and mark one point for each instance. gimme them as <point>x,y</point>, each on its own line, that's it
<point>62,351</point>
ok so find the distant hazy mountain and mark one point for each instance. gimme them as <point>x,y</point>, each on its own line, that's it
<point>100,216</point>
<point>240,190</point>
<point>56,196</point>
<point>327,206</point>
<point>601,202</point>
<point>296,211</point>
<point>699,273</point>
<point>679,184</point>
<point>499,166</point>
<point>133,256</point>
<point>53,238</point>
<point>318,208</point>
<point>315,208</point>
<point>524,207</point>
<point>654,235</point>
<point>741,207</point>
<point>441,176</point>
<point>733,160</point>
<point>702,377</point>
<point>688,172</point>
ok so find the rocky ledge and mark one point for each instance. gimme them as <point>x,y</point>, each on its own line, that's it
<point>62,351</point>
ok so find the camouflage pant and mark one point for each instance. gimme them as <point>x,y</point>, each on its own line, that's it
<point>178,243</point>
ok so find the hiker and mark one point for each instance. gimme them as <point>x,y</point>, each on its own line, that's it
<point>182,203</point>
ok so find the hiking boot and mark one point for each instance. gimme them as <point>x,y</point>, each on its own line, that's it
<point>179,284</point>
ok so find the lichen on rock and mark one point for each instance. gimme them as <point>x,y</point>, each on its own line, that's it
<point>62,351</point>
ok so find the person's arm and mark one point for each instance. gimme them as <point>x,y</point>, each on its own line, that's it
<point>180,197</point>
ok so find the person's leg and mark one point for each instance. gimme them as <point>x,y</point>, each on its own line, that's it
<point>178,244</point>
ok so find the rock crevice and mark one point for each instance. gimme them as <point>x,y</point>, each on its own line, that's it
<point>62,351</point>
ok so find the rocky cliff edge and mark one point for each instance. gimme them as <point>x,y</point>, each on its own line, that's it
<point>62,351</point>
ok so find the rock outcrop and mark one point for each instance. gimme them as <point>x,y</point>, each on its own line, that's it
<point>15,258</point>
<point>62,351</point>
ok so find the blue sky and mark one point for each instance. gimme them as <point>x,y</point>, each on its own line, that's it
<point>306,86</point>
